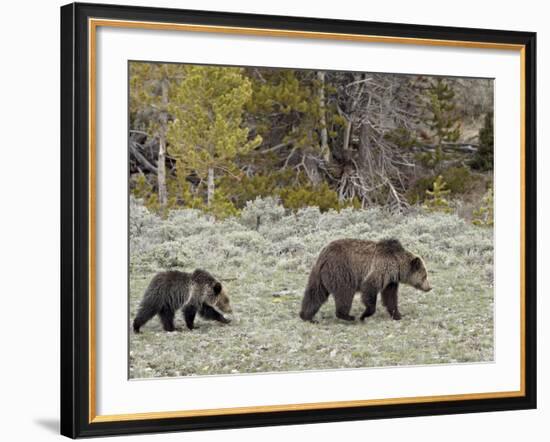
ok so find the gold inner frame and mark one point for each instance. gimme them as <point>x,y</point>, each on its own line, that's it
<point>93,24</point>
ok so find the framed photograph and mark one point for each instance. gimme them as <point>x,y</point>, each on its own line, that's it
<point>276,220</point>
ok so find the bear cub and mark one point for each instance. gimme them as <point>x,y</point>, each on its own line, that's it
<point>197,292</point>
<point>347,266</point>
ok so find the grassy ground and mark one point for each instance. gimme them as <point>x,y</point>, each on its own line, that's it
<point>265,272</point>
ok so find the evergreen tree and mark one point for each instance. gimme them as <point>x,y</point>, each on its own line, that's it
<point>484,216</point>
<point>286,110</point>
<point>442,120</point>
<point>207,132</point>
<point>151,86</point>
<point>483,159</point>
<point>436,201</point>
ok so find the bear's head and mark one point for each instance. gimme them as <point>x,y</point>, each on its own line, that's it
<point>209,288</point>
<point>418,275</point>
<point>222,302</point>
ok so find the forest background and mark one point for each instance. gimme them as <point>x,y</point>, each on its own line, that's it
<point>213,138</point>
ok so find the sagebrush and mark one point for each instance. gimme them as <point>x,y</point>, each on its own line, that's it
<point>263,258</point>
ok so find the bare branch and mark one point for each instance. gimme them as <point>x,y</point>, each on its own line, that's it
<point>134,149</point>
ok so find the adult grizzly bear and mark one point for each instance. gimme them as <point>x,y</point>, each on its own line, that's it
<point>198,292</point>
<point>347,266</point>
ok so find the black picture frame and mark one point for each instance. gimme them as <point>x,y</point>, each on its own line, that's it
<point>75,221</point>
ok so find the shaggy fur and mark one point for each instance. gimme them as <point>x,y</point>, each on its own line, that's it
<point>198,292</point>
<point>347,266</point>
<point>223,302</point>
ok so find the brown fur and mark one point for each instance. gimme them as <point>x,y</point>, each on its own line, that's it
<point>347,266</point>
<point>223,303</point>
<point>197,292</point>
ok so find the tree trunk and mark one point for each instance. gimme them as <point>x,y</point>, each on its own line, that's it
<point>323,119</point>
<point>211,187</point>
<point>312,170</point>
<point>365,152</point>
<point>161,168</point>
<point>347,135</point>
<point>161,165</point>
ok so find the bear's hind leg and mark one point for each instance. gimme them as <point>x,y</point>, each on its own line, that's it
<point>167,318</point>
<point>389,299</point>
<point>343,301</point>
<point>315,296</point>
<point>146,311</point>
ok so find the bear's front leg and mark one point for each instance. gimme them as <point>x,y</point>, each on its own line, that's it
<point>389,299</point>
<point>370,303</point>
<point>369,294</point>
<point>189,312</point>
<point>209,312</point>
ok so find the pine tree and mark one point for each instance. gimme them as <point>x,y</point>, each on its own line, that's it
<point>484,216</point>
<point>442,120</point>
<point>483,159</point>
<point>437,201</point>
<point>289,110</point>
<point>151,87</point>
<point>207,132</point>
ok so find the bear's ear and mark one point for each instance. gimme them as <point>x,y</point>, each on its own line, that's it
<point>416,264</point>
<point>217,288</point>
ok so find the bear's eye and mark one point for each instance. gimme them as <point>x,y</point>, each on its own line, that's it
<point>217,288</point>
